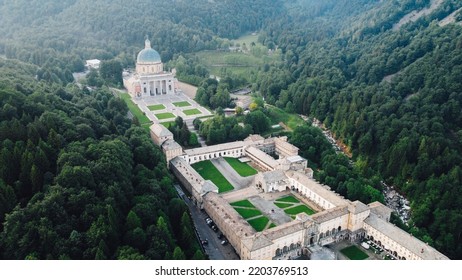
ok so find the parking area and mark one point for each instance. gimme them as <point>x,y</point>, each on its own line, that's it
<point>212,247</point>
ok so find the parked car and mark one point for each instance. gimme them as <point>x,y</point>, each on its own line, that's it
<point>205,242</point>
<point>224,242</point>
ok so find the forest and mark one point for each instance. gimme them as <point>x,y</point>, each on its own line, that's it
<point>392,93</point>
<point>393,96</point>
<point>79,181</point>
<point>59,37</point>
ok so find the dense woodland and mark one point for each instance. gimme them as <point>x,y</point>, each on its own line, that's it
<point>392,94</point>
<point>407,127</point>
<point>59,37</point>
<point>79,181</point>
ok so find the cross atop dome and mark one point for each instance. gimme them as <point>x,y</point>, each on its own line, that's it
<point>147,44</point>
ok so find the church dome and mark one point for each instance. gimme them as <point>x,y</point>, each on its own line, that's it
<point>148,55</point>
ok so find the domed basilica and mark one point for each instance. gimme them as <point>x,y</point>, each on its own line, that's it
<point>150,79</point>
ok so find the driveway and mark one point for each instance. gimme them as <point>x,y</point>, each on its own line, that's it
<point>214,249</point>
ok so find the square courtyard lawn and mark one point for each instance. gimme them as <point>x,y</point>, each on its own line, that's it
<point>181,104</point>
<point>208,171</point>
<point>191,112</point>
<point>259,224</point>
<point>156,107</point>
<point>163,116</point>
<point>354,253</point>
<point>241,168</point>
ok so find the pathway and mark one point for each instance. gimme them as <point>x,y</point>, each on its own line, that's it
<point>231,175</point>
<point>168,100</point>
<point>238,195</point>
<point>274,213</point>
<point>214,249</point>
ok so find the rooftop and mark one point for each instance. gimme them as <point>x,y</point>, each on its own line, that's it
<point>254,137</point>
<point>403,238</point>
<point>357,207</point>
<point>160,130</point>
<point>293,159</point>
<point>320,190</point>
<point>380,210</point>
<point>148,55</point>
<point>217,148</point>
<point>262,156</point>
<point>330,214</point>
<point>171,145</point>
<point>274,176</point>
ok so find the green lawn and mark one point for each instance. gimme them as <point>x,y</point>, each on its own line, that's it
<point>289,199</point>
<point>208,171</point>
<point>192,112</point>
<point>134,108</point>
<point>283,205</point>
<point>247,213</point>
<point>162,116</point>
<point>299,209</point>
<point>243,203</point>
<point>166,124</point>
<point>238,63</point>
<point>252,215</point>
<point>241,168</point>
<point>181,104</point>
<point>156,107</point>
<point>277,115</point>
<point>354,253</point>
<point>247,39</point>
<point>259,224</point>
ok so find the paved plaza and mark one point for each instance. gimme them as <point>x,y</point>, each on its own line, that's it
<point>274,213</point>
<point>168,101</point>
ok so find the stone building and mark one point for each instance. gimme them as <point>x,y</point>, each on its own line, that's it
<point>160,134</point>
<point>336,219</point>
<point>150,78</point>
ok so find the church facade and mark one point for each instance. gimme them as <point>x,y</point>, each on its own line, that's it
<point>149,78</point>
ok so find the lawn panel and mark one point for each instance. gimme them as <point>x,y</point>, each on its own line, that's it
<point>208,171</point>
<point>243,169</point>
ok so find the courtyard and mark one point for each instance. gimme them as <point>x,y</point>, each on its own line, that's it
<point>165,108</point>
<point>252,215</point>
<point>234,180</point>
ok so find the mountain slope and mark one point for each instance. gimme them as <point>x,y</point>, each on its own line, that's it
<point>409,130</point>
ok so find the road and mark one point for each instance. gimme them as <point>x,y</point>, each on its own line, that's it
<point>214,249</point>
